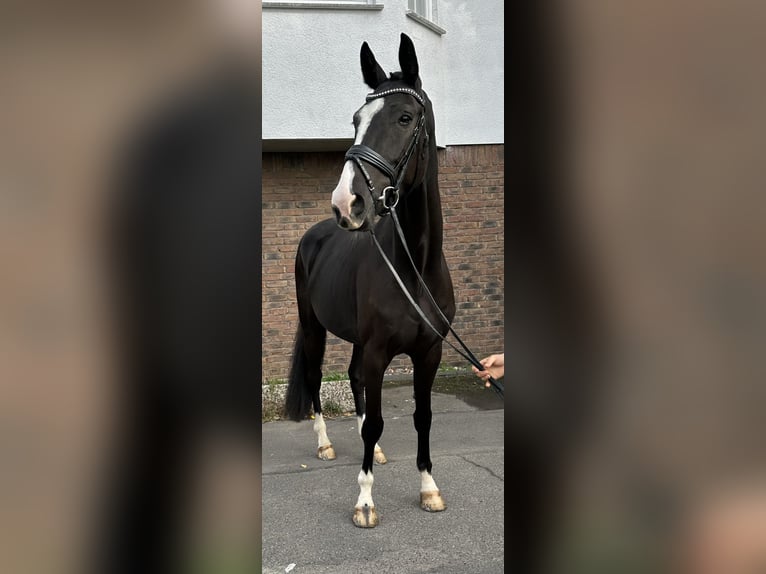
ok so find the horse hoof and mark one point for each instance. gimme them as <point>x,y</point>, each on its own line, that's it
<point>326,452</point>
<point>432,501</point>
<point>380,458</point>
<point>365,517</point>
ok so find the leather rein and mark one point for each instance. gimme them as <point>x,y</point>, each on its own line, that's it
<point>386,204</point>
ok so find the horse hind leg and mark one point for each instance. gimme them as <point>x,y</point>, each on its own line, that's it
<point>325,450</point>
<point>357,389</point>
<point>315,340</point>
<point>423,377</point>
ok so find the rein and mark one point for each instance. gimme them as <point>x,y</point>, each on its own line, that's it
<point>497,386</point>
<point>387,201</point>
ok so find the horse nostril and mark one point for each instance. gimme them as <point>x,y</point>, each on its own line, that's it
<point>342,221</point>
<point>357,206</point>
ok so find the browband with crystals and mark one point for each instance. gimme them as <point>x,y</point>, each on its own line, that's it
<point>413,93</point>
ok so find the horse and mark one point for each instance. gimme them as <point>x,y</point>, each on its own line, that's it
<point>343,286</point>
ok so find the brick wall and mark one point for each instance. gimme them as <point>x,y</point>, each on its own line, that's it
<point>296,194</point>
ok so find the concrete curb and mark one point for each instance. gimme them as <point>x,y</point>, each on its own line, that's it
<point>337,392</point>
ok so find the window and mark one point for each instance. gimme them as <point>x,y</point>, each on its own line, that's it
<point>426,13</point>
<point>424,8</point>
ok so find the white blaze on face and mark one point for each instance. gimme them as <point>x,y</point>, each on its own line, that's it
<point>341,195</point>
<point>366,114</point>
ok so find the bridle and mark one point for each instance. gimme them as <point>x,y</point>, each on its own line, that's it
<point>359,154</point>
<point>386,203</point>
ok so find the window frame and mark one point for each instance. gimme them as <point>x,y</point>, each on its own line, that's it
<point>324,4</point>
<point>429,20</point>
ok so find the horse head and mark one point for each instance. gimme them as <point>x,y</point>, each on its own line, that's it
<point>391,138</point>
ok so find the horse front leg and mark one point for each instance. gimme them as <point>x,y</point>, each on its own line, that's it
<point>424,372</point>
<point>365,515</point>
<point>357,389</point>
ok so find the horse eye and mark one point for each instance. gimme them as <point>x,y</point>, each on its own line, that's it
<point>405,119</point>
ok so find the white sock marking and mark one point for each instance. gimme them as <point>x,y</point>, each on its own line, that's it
<point>321,429</point>
<point>365,481</point>
<point>427,483</point>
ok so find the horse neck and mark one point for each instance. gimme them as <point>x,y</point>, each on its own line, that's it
<point>421,221</point>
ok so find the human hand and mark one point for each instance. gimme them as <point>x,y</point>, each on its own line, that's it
<point>494,366</point>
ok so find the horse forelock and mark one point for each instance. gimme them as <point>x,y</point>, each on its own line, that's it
<point>396,81</point>
<point>399,77</point>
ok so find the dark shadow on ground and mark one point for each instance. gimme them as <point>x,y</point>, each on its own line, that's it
<point>465,387</point>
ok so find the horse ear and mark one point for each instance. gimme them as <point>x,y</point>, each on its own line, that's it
<point>372,73</point>
<point>408,60</point>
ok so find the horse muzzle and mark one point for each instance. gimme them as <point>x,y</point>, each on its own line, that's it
<point>350,223</point>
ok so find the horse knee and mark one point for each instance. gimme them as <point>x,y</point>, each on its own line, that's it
<point>372,429</point>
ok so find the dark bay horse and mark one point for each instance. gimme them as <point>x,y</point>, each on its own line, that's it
<point>344,286</point>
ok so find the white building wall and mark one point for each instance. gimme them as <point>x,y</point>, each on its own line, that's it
<point>312,81</point>
<point>474,94</point>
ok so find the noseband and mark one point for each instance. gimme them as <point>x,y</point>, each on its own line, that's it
<point>395,172</point>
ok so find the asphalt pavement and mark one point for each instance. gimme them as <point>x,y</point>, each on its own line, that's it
<point>308,503</point>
